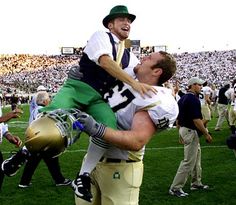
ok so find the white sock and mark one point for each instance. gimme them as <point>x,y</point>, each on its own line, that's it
<point>94,154</point>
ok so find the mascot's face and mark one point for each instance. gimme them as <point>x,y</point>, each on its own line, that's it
<point>53,132</point>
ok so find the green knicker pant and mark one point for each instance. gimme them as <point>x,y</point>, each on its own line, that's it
<point>77,94</point>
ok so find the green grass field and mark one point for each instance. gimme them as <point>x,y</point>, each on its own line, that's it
<point>161,161</point>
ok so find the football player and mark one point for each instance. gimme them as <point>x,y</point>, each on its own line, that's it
<point>142,117</point>
<point>205,100</point>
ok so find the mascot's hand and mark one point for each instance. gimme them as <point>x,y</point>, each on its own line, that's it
<point>90,126</point>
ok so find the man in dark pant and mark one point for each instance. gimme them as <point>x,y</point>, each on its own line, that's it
<point>32,164</point>
<point>190,124</point>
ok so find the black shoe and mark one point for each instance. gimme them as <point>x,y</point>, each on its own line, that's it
<point>82,187</point>
<point>23,186</point>
<point>178,192</point>
<point>11,165</point>
<point>66,182</point>
<point>199,187</point>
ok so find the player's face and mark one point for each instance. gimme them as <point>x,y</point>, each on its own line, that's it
<point>120,27</point>
<point>147,63</point>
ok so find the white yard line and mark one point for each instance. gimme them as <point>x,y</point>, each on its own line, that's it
<point>148,149</point>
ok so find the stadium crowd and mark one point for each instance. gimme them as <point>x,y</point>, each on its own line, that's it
<point>24,73</point>
<point>217,67</point>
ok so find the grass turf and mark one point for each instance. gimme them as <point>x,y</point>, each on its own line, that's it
<point>162,158</point>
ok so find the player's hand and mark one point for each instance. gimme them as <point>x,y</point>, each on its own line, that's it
<point>144,89</point>
<point>91,126</point>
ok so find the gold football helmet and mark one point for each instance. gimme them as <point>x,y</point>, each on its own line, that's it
<point>52,132</point>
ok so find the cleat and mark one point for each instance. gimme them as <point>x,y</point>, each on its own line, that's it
<point>11,165</point>
<point>23,186</point>
<point>66,182</point>
<point>82,187</point>
<point>199,187</point>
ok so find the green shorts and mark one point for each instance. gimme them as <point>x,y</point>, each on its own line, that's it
<point>77,94</point>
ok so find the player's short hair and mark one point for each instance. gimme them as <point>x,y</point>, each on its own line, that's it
<point>168,66</point>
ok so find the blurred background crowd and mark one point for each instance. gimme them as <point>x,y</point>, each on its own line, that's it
<point>21,74</point>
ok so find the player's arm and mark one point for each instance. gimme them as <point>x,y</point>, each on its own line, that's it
<point>13,139</point>
<point>109,65</point>
<point>141,132</point>
<point>207,99</point>
<point>13,114</point>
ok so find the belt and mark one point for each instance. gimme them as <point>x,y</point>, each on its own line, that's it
<point>112,160</point>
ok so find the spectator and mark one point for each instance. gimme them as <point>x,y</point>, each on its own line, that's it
<point>51,71</point>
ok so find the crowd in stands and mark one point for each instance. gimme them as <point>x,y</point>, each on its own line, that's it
<point>24,73</point>
<point>217,67</point>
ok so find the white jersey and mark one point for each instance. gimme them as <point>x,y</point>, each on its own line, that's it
<point>162,109</point>
<point>206,90</point>
<point>231,95</point>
